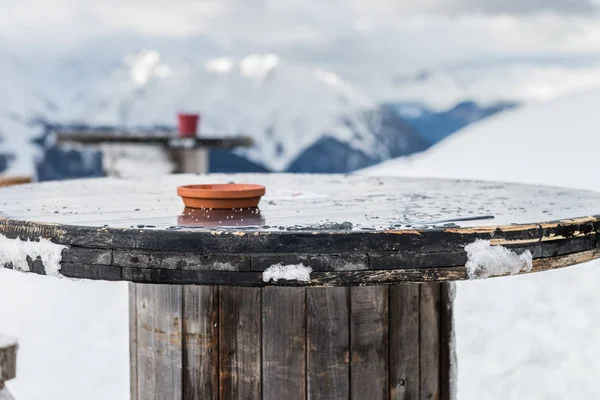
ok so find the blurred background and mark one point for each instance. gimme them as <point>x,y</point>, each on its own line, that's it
<point>483,89</point>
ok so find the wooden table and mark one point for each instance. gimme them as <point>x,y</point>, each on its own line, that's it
<point>371,320</point>
<point>188,154</point>
<point>8,364</point>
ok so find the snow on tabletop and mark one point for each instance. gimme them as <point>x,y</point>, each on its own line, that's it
<point>296,272</point>
<point>7,341</point>
<point>5,395</point>
<point>16,251</point>
<point>484,260</point>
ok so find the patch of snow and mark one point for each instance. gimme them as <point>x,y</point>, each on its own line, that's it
<point>551,128</point>
<point>6,341</point>
<point>221,64</point>
<point>224,266</point>
<point>484,260</point>
<point>16,252</point>
<point>297,272</point>
<point>4,393</point>
<point>258,65</point>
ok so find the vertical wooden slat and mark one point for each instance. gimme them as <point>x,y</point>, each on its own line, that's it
<point>146,360</point>
<point>240,343</point>
<point>168,318</point>
<point>284,343</point>
<point>200,343</point>
<point>369,342</point>
<point>328,343</point>
<point>404,341</point>
<point>429,321</point>
<point>448,361</point>
<point>132,342</point>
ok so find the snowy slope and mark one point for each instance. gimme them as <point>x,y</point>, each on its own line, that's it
<point>544,142</point>
<point>434,126</point>
<point>528,337</point>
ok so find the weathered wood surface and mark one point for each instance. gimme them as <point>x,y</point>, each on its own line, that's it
<point>429,341</point>
<point>328,343</point>
<point>405,308</point>
<point>350,230</point>
<point>369,342</point>
<point>8,359</point>
<point>200,343</point>
<point>240,343</point>
<point>283,343</point>
<point>380,342</point>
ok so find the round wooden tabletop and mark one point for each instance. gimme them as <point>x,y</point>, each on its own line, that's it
<point>308,230</point>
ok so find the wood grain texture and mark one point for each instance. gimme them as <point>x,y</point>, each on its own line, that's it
<point>369,342</point>
<point>239,343</point>
<point>448,358</point>
<point>328,343</point>
<point>404,306</point>
<point>293,343</point>
<point>133,342</point>
<point>146,353</point>
<point>283,343</point>
<point>429,341</point>
<point>200,343</point>
<point>168,316</point>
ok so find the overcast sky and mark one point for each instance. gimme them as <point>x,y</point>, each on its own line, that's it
<point>351,37</point>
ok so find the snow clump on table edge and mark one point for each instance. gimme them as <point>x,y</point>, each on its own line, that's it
<point>296,272</point>
<point>16,251</point>
<point>484,260</point>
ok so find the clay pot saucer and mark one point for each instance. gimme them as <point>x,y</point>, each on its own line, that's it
<point>222,196</point>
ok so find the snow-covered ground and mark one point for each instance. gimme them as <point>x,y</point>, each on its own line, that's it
<point>526,337</point>
<point>532,336</point>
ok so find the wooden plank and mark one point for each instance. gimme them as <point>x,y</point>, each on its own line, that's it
<point>328,343</point>
<point>146,360</point>
<point>369,342</point>
<point>429,321</point>
<point>448,361</point>
<point>240,343</point>
<point>201,343</point>
<point>404,306</point>
<point>133,342</point>
<point>284,343</point>
<point>8,359</point>
<point>167,341</point>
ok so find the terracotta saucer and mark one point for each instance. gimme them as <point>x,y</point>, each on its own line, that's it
<point>221,196</point>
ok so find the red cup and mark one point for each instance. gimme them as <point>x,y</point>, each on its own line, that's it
<point>188,124</point>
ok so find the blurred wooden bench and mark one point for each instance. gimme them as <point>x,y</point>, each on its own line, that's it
<point>8,364</point>
<point>14,180</point>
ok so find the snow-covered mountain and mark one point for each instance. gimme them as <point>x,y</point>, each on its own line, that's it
<point>302,119</point>
<point>298,116</point>
<point>286,108</point>
<point>434,126</point>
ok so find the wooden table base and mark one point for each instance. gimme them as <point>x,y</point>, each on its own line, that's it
<point>208,342</point>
